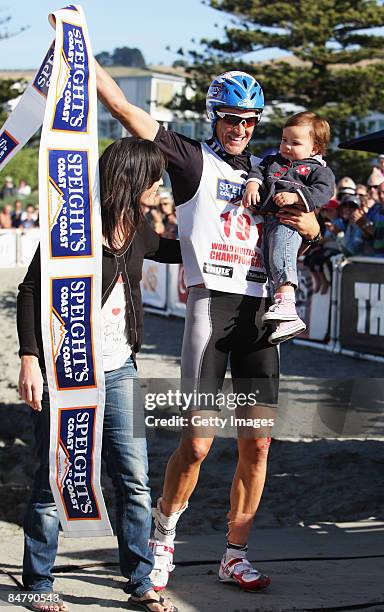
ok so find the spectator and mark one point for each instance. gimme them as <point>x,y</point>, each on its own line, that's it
<point>372,224</point>
<point>362,193</point>
<point>353,241</point>
<point>171,230</point>
<point>24,189</point>
<point>5,217</point>
<point>155,218</point>
<point>318,257</point>
<point>345,186</point>
<point>374,181</point>
<point>17,213</point>
<point>8,188</point>
<point>167,205</point>
<point>29,218</point>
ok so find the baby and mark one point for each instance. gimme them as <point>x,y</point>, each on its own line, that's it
<point>298,176</point>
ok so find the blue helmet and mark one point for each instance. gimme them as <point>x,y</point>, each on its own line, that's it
<point>236,89</point>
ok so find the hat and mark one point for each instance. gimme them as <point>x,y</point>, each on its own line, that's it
<point>350,200</point>
<point>375,178</point>
<point>332,204</point>
<point>165,195</point>
<point>346,191</point>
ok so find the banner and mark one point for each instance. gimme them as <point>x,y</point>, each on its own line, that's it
<point>361,306</point>
<point>63,93</point>
<point>312,306</point>
<point>154,284</point>
<point>177,291</point>
<point>8,253</point>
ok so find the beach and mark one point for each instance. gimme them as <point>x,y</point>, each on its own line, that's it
<point>309,479</point>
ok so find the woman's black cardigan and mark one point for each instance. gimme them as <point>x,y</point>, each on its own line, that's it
<point>128,261</point>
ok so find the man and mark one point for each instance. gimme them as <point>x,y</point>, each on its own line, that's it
<point>372,223</point>
<point>221,248</point>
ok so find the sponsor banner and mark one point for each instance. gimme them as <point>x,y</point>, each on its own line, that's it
<point>62,98</point>
<point>28,115</point>
<point>177,291</point>
<point>75,462</point>
<point>8,251</point>
<point>362,307</point>
<point>71,109</point>
<point>28,245</point>
<point>225,271</point>
<point>70,203</point>
<point>71,333</point>
<point>71,293</point>
<point>312,305</point>
<point>154,284</point>
<point>229,191</point>
<point>43,76</point>
<point>7,144</point>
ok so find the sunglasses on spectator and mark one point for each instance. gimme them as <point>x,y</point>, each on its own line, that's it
<point>235,120</point>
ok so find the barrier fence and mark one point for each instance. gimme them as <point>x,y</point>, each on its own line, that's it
<point>348,318</point>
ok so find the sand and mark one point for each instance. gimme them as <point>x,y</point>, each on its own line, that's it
<point>309,480</point>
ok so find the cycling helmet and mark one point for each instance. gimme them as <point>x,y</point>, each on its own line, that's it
<point>236,89</point>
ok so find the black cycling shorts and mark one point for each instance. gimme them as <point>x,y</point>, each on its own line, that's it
<point>222,325</point>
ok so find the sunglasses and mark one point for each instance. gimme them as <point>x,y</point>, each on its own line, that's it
<point>234,120</point>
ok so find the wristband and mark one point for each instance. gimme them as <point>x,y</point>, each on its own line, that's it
<point>314,240</point>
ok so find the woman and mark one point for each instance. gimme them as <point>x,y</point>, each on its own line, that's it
<point>130,174</point>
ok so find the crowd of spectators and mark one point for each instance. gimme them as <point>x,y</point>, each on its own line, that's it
<point>352,223</point>
<point>162,216</point>
<point>19,214</point>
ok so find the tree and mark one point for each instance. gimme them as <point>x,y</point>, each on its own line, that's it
<point>336,66</point>
<point>122,56</point>
<point>7,89</point>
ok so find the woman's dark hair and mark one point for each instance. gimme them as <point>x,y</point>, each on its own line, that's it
<point>128,167</point>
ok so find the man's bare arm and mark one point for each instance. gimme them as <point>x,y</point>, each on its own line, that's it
<point>134,119</point>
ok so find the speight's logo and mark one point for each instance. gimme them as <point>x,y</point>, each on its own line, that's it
<point>70,205</point>
<point>229,191</point>
<point>72,96</point>
<point>71,332</point>
<point>75,462</point>
<point>7,144</point>
<point>43,76</point>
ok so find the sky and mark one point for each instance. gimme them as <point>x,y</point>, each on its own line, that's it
<point>149,25</point>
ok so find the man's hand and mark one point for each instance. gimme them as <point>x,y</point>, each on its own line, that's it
<point>332,228</point>
<point>30,382</point>
<point>285,198</point>
<point>357,215</point>
<point>304,222</point>
<point>251,194</point>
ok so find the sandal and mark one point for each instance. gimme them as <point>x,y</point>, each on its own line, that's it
<point>47,605</point>
<point>144,604</point>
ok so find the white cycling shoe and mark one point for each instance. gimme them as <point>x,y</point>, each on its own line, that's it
<point>163,554</point>
<point>239,571</point>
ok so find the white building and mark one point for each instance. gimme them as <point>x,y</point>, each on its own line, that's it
<point>152,89</point>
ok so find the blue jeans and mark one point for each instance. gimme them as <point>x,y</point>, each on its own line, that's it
<point>127,464</point>
<point>281,246</point>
